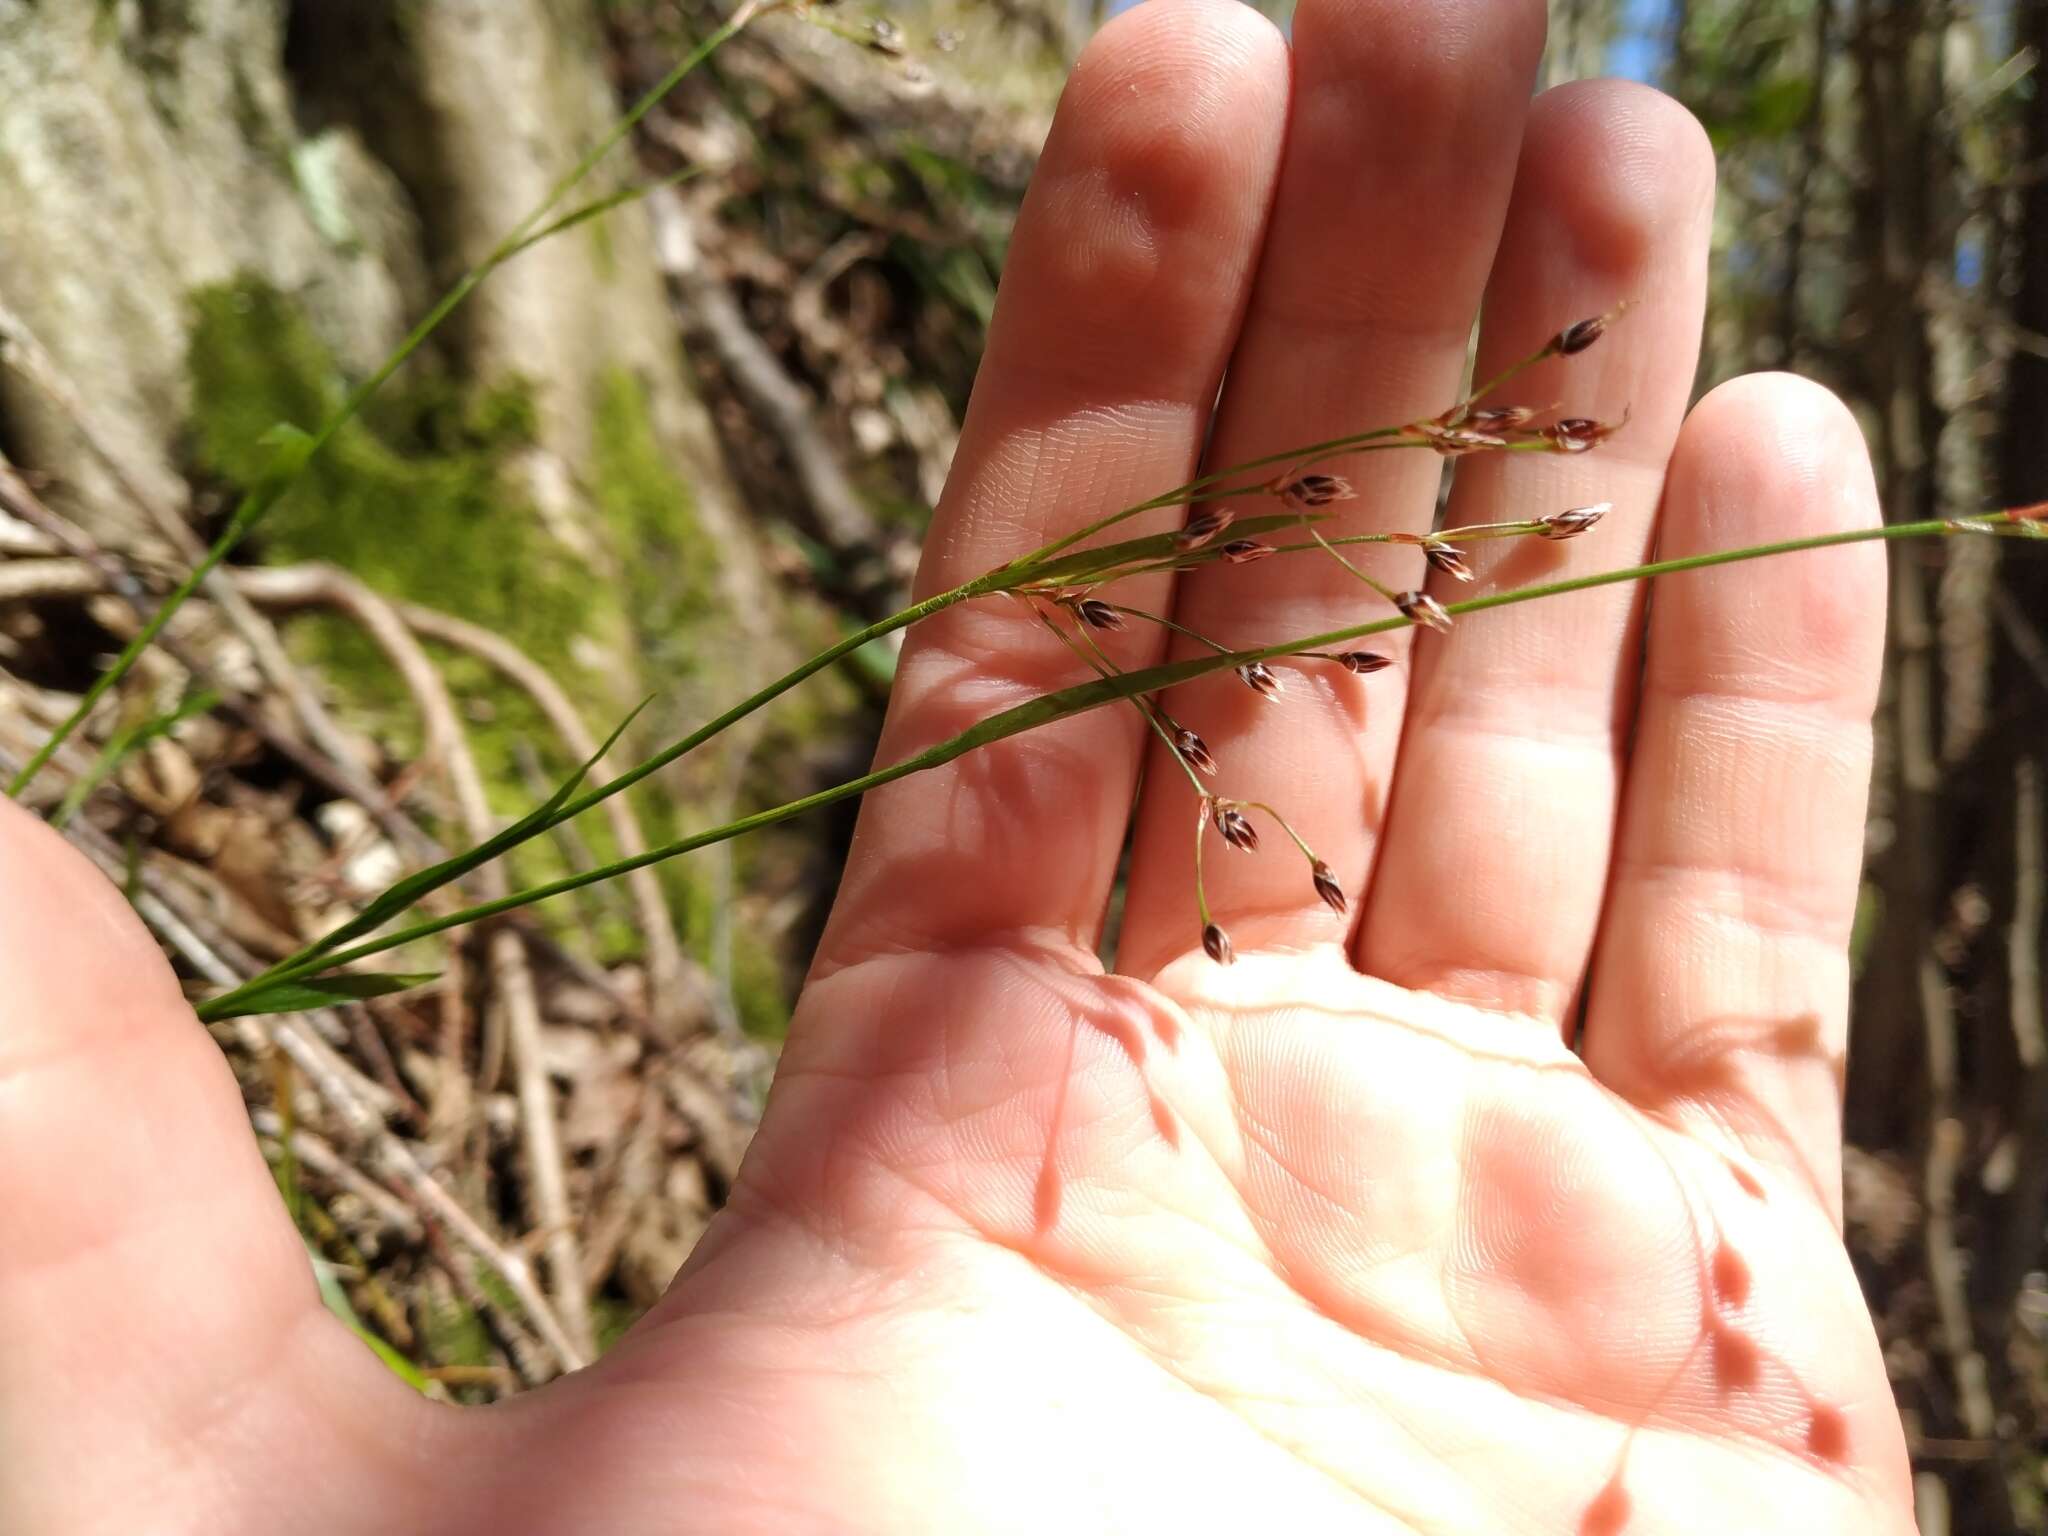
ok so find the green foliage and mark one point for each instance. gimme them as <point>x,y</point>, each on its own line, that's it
<point>412,500</point>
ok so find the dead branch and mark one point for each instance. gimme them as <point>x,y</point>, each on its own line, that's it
<point>666,972</point>
<point>513,979</point>
<point>707,305</point>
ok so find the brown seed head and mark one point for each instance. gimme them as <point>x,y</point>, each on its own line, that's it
<point>1097,614</point>
<point>1575,434</point>
<point>1500,418</point>
<point>1203,527</point>
<point>1237,829</point>
<point>1317,490</point>
<point>1194,750</point>
<point>1245,551</point>
<point>1421,608</point>
<point>1328,888</point>
<point>1453,442</point>
<point>1442,557</point>
<point>1364,663</point>
<point>1578,336</point>
<point>1216,943</point>
<point>1569,525</point>
<point>1260,678</point>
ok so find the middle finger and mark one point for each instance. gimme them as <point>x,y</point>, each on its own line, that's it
<point>1402,142</point>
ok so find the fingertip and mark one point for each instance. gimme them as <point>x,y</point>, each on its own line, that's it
<point>1781,438</point>
<point>1143,219</point>
<point>1619,164</point>
<point>70,947</point>
<point>1765,458</point>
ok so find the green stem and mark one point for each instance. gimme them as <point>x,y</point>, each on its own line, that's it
<point>1061,704</point>
<point>257,504</point>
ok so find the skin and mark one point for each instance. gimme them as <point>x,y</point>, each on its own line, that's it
<point>1508,1202</point>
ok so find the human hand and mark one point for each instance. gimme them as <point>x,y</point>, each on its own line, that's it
<point>1342,1236</point>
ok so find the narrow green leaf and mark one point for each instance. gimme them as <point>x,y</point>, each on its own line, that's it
<point>337,1302</point>
<point>598,207</point>
<point>298,995</point>
<point>122,745</point>
<point>407,892</point>
<point>1158,546</point>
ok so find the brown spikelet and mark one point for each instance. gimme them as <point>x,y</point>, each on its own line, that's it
<point>1236,829</point>
<point>1364,663</point>
<point>1261,679</point>
<point>1445,558</point>
<point>1216,944</point>
<point>1578,336</point>
<point>1500,418</point>
<point>1570,524</point>
<point>1245,551</point>
<point>1316,490</point>
<point>1097,614</point>
<point>1203,527</point>
<point>1421,608</point>
<point>1452,442</point>
<point>1327,887</point>
<point>1194,750</point>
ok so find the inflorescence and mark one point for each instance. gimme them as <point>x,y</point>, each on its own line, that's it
<point>1069,593</point>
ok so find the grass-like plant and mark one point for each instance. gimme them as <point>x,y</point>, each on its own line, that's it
<point>1070,584</point>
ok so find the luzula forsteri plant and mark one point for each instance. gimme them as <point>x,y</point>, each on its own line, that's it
<point>1264,508</point>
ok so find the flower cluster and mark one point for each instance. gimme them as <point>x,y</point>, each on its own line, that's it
<point>1067,589</point>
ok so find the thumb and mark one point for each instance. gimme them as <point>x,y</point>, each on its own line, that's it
<point>159,1323</point>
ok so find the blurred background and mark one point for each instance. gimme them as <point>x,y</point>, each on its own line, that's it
<point>677,449</point>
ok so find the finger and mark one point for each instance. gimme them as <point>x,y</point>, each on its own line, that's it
<point>1119,304</point>
<point>161,1320</point>
<point>1488,888</point>
<point>1400,153</point>
<point>1722,982</point>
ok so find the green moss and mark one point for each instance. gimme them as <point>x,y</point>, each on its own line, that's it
<point>670,582</point>
<point>415,501</point>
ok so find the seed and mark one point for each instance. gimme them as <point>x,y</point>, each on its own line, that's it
<point>1500,418</point>
<point>1318,490</point>
<point>1444,558</point>
<point>1452,442</point>
<point>1194,750</point>
<point>1245,551</point>
<point>1097,614</point>
<point>1578,336</point>
<point>1237,829</point>
<point>1421,608</point>
<point>1201,528</point>
<point>1569,525</point>
<point>1260,678</point>
<point>1364,663</point>
<point>1217,944</point>
<point>1328,888</point>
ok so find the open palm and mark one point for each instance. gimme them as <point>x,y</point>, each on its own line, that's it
<point>1506,1200</point>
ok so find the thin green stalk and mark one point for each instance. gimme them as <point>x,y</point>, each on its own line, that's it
<point>315,956</point>
<point>299,451</point>
<point>1071,701</point>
